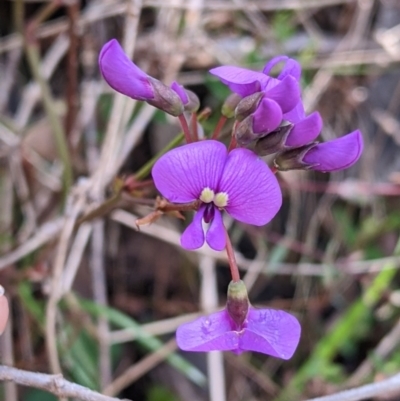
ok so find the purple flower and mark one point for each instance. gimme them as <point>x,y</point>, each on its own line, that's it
<point>240,327</point>
<point>269,331</point>
<point>292,133</point>
<point>291,67</point>
<point>122,74</point>
<point>335,155</point>
<point>238,182</point>
<point>284,92</point>
<point>305,129</point>
<point>127,78</point>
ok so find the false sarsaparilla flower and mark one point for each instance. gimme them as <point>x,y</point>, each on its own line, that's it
<point>334,155</point>
<point>238,182</point>
<point>127,78</point>
<point>240,327</point>
<point>265,99</point>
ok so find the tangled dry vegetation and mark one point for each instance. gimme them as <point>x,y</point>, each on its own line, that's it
<point>97,301</point>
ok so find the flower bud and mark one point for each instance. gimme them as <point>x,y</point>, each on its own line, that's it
<point>238,302</point>
<point>274,141</point>
<point>230,104</point>
<point>189,99</point>
<point>244,133</point>
<point>193,104</point>
<point>165,98</point>
<point>293,159</point>
<point>334,155</point>
<point>248,105</point>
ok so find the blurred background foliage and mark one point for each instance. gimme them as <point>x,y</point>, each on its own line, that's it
<point>99,301</point>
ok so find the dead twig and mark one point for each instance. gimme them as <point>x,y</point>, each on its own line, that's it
<point>388,387</point>
<point>54,384</point>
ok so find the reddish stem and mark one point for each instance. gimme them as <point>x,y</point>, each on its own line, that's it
<point>232,144</point>
<point>193,122</point>
<point>219,127</point>
<point>185,128</point>
<point>231,259</point>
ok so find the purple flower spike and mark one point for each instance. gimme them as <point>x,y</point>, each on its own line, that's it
<point>305,131</point>
<point>238,182</point>
<point>337,154</point>
<point>122,74</point>
<point>271,332</point>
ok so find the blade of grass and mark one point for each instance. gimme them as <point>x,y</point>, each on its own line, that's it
<point>148,341</point>
<point>345,330</point>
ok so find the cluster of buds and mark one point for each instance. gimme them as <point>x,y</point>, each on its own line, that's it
<point>270,118</point>
<point>205,177</point>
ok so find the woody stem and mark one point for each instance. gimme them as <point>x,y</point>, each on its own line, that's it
<point>231,258</point>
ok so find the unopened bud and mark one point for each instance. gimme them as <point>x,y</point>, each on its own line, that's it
<point>293,159</point>
<point>248,105</point>
<point>165,98</point>
<point>274,141</point>
<point>230,104</point>
<point>244,133</point>
<point>238,302</point>
<point>193,103</point>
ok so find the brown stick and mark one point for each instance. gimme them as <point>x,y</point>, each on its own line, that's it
<point>54,384</point>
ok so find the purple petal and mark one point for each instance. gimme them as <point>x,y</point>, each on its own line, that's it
<point>240,80</point>
<point>291,67</point>
<point>296,114</point>
<point>182,173</point>
<point>254,196</point>
<point>122,74</point>
<point>272,332</point>
<point>208,333</point>
<point>180,91</point>
<point>216,237</point>
<point>286,93</point>
<point>267,117</point>
<point>193,236</point>
<point>305,131</point>
<point>337,154</point>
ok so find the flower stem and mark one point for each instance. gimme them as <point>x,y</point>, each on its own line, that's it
<point>193,122</point>
<point>185,128</point>
<point>219,127</point>
<point>232,144</point>
<point>231,259</point>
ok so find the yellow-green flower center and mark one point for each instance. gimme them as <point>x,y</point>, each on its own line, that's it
<point>207,195</point>
<point>221,199</point>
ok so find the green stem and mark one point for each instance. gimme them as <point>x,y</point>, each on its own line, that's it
<point>32,53</point>
<point>33,57</point>
<point>145,170</point>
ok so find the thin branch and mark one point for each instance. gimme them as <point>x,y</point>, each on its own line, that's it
<point>54,384</point>
<point>388,387</point>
